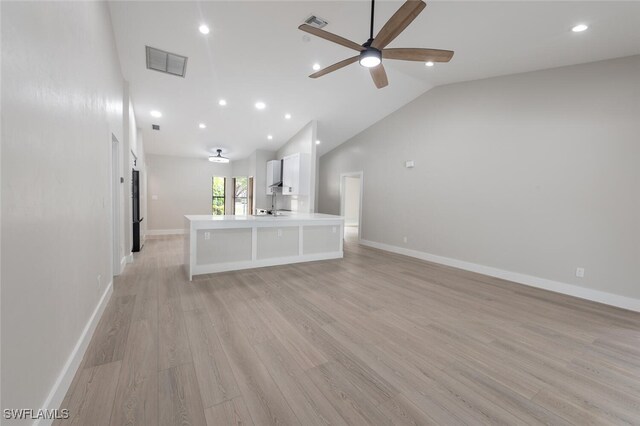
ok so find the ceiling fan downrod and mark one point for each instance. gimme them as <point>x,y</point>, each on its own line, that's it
<point>373,2</point>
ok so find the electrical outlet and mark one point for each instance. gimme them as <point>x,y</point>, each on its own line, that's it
<point>580,272</point>
<point>279,232</point>
<point>404,239</point>
<point>207,235</point>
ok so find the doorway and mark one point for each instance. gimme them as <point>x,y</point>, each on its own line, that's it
<point>115,206</point>
<point>351,205</point>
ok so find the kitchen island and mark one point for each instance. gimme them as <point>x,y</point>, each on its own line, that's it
<point>228,243</point>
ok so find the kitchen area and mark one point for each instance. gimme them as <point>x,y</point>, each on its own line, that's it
<point>282,227</point>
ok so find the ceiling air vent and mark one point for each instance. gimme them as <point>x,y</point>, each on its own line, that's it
<point>315,22</point>
<point>166,62</point>
<point>155,127</point>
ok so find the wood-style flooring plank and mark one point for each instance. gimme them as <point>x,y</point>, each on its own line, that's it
<point>136,399</point>
<point>173,342</point>
<point>217,383</point>
<point>232,412</point>
<point>93,395</point>
<point>179,398</point>
<point>113,330</point>
<point>304,398</point>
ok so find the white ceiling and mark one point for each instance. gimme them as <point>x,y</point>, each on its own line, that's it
<point>255,52</point>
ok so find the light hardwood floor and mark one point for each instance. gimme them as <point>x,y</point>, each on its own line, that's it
<point>375,338</point>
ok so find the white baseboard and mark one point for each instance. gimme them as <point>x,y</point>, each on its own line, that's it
<point>543,283</point>
<point>180,231</point>
<point>61,386</point>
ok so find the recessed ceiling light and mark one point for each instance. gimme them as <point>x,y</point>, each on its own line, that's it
<point>316,67</point>
<point>287,116</point>
<point>269,137</point>
<point>156,114</point>
<point>579,28</point>
<point>203,29</point>
<point>261,105</point>
<point>202,126</point>
<point>222,102</point>
<point>317,142</point>
<point>429,63</point>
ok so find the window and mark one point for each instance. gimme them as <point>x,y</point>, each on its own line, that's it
<point>218,195</point>
<point>242,195</point>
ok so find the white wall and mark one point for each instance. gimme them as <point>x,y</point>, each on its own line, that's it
<point>62,98</point>
<point>182,186</point>
<point>351,200</point>
<point>240,168</point>
<point>534,173</point>
<point>302,142</point>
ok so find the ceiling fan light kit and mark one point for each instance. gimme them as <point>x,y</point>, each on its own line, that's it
<point>371,57</point>
<point>218,158</point>
<point>373,51</point>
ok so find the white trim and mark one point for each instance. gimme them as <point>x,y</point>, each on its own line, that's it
<point>61,386</point>
<point>360,175</point>
<point>250,264</point>
<point>151,232</point>
<point>529,280</point>
<point>130,258</point>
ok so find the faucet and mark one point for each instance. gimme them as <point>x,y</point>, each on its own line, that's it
<point>274,202</point>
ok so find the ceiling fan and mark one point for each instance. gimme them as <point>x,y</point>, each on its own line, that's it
<point>373,51</point>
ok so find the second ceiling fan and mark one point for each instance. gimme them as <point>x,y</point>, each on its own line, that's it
<point>373,51</point>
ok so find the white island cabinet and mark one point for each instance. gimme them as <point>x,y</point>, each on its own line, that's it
<point>228,243</point>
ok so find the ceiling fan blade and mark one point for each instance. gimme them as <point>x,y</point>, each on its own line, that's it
<point>334,67</point>
<point>398,22</point>
<point>417,54</point>
<point>379,76</point>
<point>331,37</point>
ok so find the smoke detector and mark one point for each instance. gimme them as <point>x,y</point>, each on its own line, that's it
<point>316,21</point>
<point>166,62</point>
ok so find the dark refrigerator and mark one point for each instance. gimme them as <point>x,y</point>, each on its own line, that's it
<point>135,195</point>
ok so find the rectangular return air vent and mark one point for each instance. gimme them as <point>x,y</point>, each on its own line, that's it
<point>166,62</point>
<point>155,126</point>
<point>315,21</point>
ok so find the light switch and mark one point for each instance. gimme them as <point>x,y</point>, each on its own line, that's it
<point>409,164</point>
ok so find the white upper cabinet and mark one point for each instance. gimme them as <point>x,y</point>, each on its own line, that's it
<point>295,174</point>
<point>273,175</point>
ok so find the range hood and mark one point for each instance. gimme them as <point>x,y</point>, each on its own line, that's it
<point>278,181</point>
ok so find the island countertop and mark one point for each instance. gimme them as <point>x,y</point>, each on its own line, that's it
<point>248,221</point>
<point>267,217</point>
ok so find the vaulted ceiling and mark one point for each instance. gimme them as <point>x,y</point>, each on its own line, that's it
<point>254,52</point>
